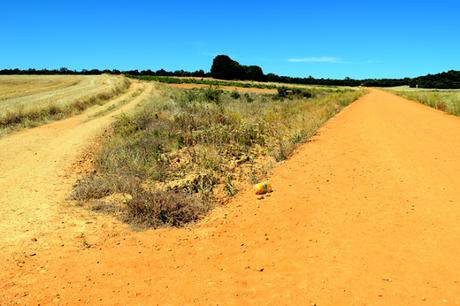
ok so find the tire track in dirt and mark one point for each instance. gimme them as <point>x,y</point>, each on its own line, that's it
<point>366,213</point>
<point>34,179</point>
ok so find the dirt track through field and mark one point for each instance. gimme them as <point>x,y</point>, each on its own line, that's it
<point>33,176</point>
<point>366,213</point>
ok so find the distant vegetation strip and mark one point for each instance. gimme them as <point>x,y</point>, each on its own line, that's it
<point>223,67</point>
<point>177,80</point>
<point>447,101</point>
<point>282,88</point>
<point>184,151</point>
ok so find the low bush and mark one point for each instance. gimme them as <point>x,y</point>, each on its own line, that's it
<point>164,208</point>
<point>235,95</point>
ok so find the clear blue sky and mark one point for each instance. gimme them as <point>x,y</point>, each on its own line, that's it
<point>359,39</point>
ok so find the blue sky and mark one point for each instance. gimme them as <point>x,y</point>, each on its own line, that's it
<point>334,39</point>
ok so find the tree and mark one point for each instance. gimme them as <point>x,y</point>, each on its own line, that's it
<point>223,67</point>
<point>253,73</point>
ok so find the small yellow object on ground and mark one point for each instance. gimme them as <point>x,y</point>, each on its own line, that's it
<point>263,188</point>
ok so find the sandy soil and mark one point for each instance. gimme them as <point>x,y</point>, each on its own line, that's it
<point>366,213</point>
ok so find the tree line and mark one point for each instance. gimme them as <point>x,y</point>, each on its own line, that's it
<point>66,71</point>
<point>443,80</point>
<point>223,67</point>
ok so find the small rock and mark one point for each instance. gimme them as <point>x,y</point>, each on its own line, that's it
<point>32,254</point>
<point>34,239</point>
<point>423,299</point>
<point>444,301</point>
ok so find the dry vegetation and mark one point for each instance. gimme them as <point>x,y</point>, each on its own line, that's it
<point>206,81</point>
<point>170,162</point>
<point>445,100</point>
<point>32,100</point>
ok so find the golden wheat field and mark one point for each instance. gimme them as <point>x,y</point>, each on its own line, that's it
<point>31,92</point>
<point>28,100</point>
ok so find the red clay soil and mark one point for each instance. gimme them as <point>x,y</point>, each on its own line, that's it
<point>366,213</point>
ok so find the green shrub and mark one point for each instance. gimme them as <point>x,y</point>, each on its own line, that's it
<point>248,98</point>
<point>212,95</point>
<point>235,95</point>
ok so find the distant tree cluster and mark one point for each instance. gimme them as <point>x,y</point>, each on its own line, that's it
<point>162,72</point>
<point>223,67</point>
<point>444,80</point>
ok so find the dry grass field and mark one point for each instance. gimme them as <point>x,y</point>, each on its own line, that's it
<point>447,100</point>
<point>27,100</point>
<point>14,86</point>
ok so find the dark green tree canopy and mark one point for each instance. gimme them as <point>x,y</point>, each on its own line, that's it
<point>223,67</point>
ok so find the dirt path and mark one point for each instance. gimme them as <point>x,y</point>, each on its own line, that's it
<point>34,180</point>
<point>366,213</point>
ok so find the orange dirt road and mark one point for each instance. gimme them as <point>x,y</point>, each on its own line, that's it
<point>366,213</point>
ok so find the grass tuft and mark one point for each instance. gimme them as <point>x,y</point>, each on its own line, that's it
<point>164,208</point>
